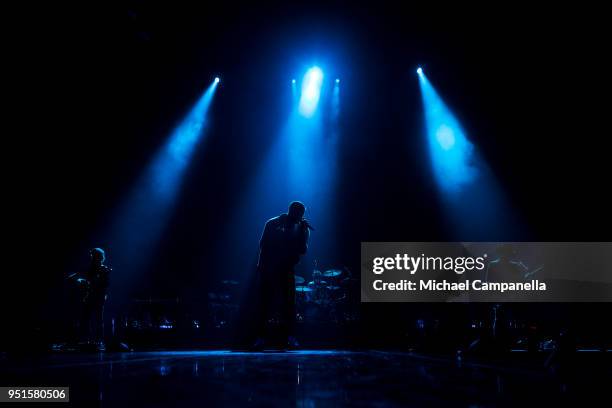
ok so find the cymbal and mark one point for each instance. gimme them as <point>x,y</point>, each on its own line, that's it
<point>314,283</point>
<point>302,289</point>
<point>299,279</point>
<point>230,282</point>
<point>333,287</point>
<point>332,273</point>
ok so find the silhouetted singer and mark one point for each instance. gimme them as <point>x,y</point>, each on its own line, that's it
<point>283,242</point>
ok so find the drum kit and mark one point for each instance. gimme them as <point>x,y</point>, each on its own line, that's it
<point>324,297</point>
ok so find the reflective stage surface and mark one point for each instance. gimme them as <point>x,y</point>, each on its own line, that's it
<point>303,379</point>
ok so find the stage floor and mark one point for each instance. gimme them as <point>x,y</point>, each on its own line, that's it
<point>306,378</point>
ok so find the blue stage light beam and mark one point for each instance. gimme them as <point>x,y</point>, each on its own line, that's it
<point>476,207</point>
<point>294,92</point>
<point>450,150</point>
<point>144,214</point>
<point>335,103</point>
<point>311,91</point>
<point>169,164</point>
<point>301,164</point>
<point>310,138</point>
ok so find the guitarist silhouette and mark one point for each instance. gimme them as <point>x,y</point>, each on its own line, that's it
<point>95,285</point>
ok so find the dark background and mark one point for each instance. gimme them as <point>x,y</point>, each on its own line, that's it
<point>98,88</point>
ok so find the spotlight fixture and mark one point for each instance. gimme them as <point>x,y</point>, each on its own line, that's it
<point>217,80</point>
<point>337,80</point>
<point>420,71</point>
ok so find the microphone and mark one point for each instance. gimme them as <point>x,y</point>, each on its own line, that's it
<point>307,224</point>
